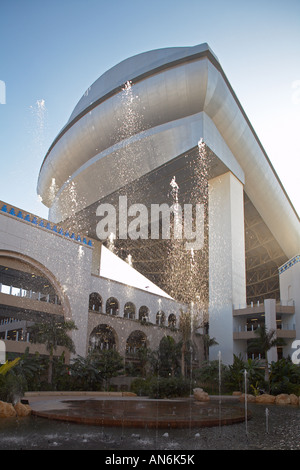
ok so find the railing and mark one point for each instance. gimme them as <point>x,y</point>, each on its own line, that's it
<point>29,294</point>
<point>281,303</point>
<point>246,328</point>
<point>14,329</point>
<point>144,320</point>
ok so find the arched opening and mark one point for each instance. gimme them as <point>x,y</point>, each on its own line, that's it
<point>95,302</point>
<point>129,310</point>
<point>39,272</point>
<point>172,320</point>
<point>33,295</point>
<point>103,337</point>
<point>144,314</point>
<point>136,356</point>
<point>21,279</point>
<point>160,318</point>
<point>135,341</point>
<point>112,306</point>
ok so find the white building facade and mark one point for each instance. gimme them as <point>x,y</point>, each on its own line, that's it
<point>137,126</point>
<point>46,271</point>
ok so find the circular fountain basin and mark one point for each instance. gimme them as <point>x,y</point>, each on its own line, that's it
<point>141,413</point>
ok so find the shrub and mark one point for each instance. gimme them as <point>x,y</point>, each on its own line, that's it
<point>207,377</point>
<point>284,377</point>
<point>12,387</point>
<point>169,387</point>
<point>141,386</point>
<point>161,387</point>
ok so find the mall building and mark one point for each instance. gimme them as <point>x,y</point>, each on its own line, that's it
<point>46,270</point>
<point>135,130</point>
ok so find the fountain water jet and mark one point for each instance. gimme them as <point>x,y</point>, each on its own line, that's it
<point>111,242</point>
<point>267,420</point>
<point>246,401</point>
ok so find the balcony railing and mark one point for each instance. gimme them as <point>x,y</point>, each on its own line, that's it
<point>287,307</point>
<point>246,332</point>
<point>14,329</point>
<point>29,294</point>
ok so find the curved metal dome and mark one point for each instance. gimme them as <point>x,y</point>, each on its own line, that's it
<point>180,95</point>
<point>96,120</point>
<point>133,68</point>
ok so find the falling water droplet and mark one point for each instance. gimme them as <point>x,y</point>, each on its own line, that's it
<point>111,242</point>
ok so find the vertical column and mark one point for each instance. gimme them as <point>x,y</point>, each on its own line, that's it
<point>270,321</point>
<point>227,277</point>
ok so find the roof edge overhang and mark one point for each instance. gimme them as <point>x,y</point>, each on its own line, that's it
<point>261,161</point>
<point>196,52</point>
<point>203,50</point>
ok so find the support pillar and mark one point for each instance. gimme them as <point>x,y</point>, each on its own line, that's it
<point>227,273</point>
<point>270,322</point>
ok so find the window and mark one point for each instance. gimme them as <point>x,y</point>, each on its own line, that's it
<point>129,310</point>
<point>172,320</point>
<point>102,338</point>
<point>144,313</point>
<point>95,302</point>
<point>160,318</point>
<point>112,306</point>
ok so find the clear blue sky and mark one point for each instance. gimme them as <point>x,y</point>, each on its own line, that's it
<point>51,51</point>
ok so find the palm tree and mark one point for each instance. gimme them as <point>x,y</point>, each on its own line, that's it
<point>85,372</point>
<point>263,343</point>
<point>207,343</point>
<point>53,334</point>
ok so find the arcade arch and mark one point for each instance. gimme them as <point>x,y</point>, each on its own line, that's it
<point>135,341</point>
<point>103,337</point>
<point>26,278</point>
<point>95,302</point>
<point>112,306</point>
<point>143,313</point>
<point>172,320</point>
<point>160,318</point>
<point>129,310</point>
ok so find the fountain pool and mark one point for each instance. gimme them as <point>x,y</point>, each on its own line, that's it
<point>139,412</point>
<point>36,433</point>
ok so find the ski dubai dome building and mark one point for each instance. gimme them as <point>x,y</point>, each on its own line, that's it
<point>136,128</point>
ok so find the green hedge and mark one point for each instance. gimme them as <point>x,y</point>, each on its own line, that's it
<point>161,387</point>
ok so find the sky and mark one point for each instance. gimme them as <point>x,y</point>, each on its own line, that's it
<point>51,51</point>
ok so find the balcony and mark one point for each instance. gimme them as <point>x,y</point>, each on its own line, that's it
<point>17,339</point>
<point>248,319</point>
<point>287,308</point>
<point>19,347</point>
<point>29,300</point>
<point>285,331</point>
